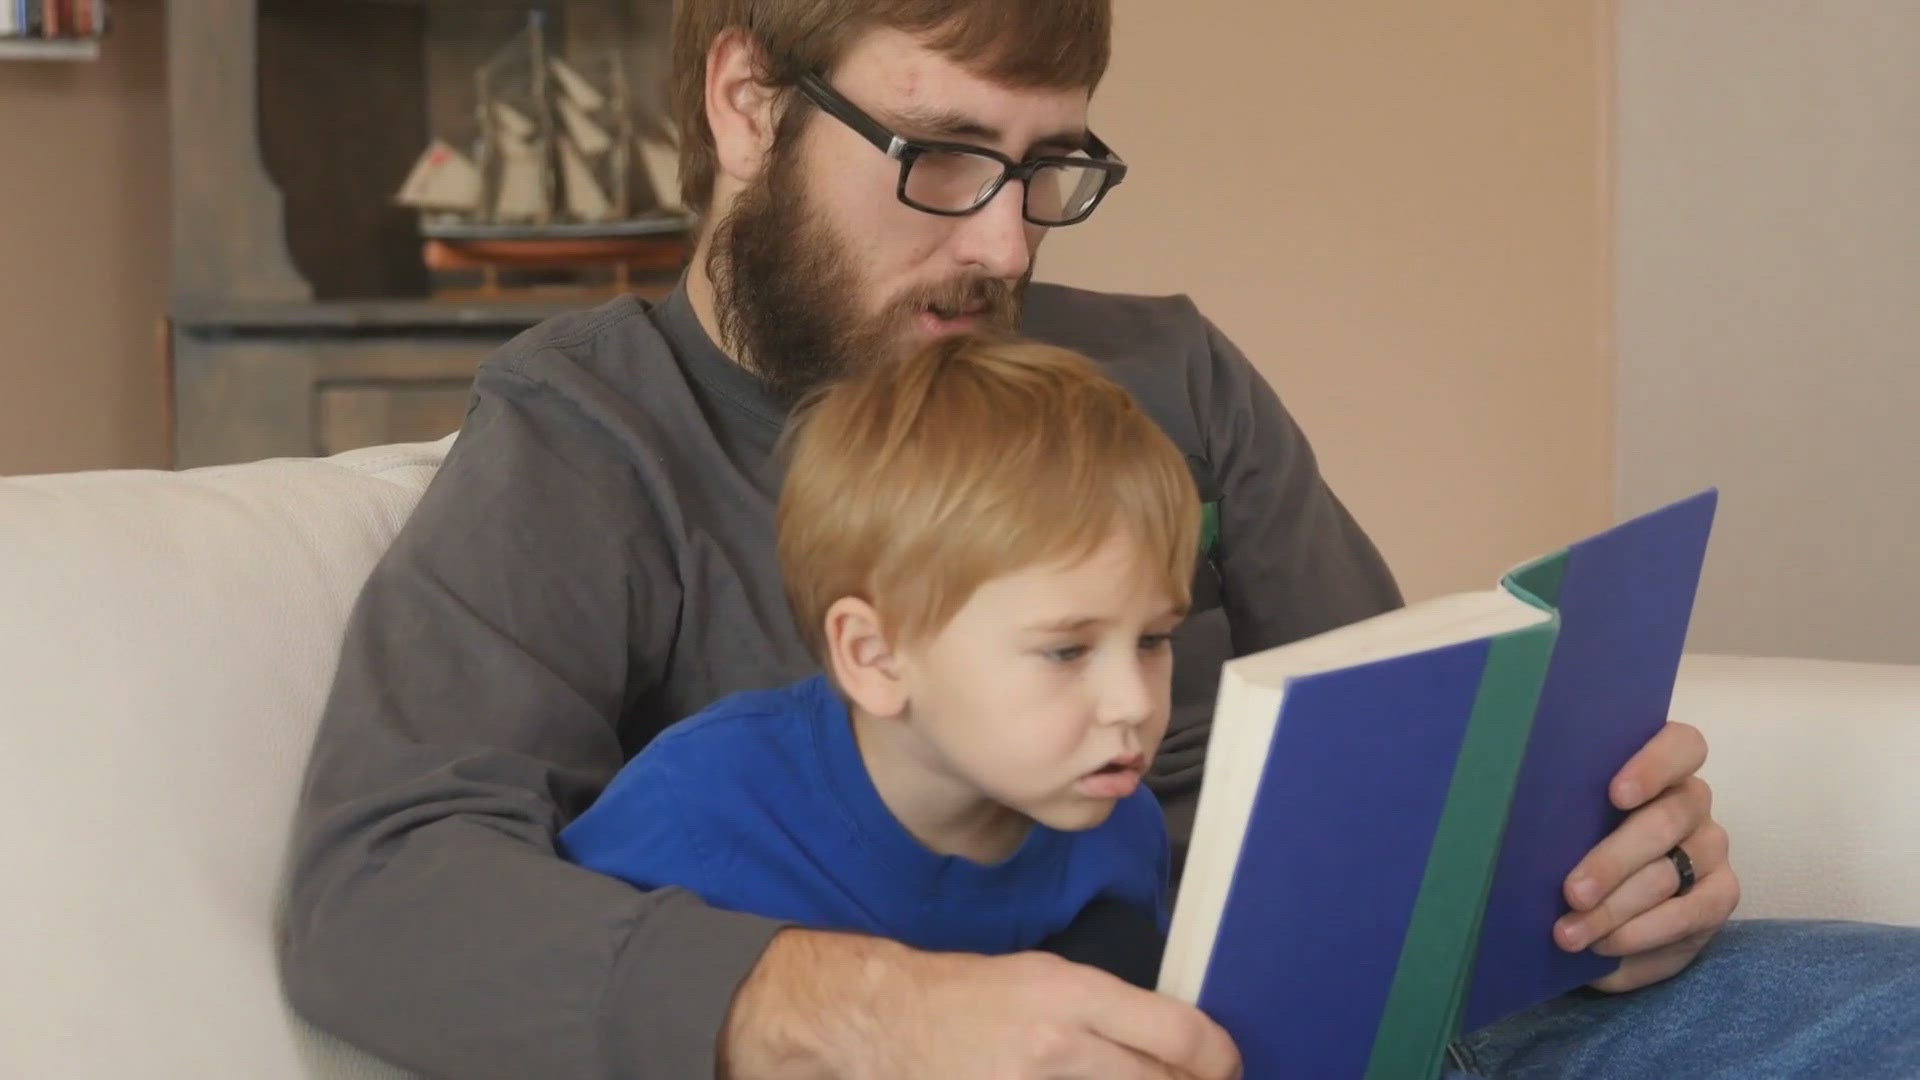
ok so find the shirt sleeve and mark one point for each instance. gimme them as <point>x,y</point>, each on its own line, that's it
<point>1288,559</point>
<point>484,673</point>
<point>1292,560</point>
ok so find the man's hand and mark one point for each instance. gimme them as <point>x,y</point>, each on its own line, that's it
<point>841,1005</point>
<point>1622,893</point>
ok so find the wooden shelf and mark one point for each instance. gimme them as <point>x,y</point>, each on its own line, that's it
<point>303,319</point>
<point>49,49</point>
<point>372,315</point>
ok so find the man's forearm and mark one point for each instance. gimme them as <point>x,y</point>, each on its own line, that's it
<point>463,951</point>
<point>790,1020</point>
<point>823,1004</point>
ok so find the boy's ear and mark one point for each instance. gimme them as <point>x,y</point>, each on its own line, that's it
<point>863,661</point>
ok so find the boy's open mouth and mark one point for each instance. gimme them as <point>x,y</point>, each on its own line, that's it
<point>1117,779</point>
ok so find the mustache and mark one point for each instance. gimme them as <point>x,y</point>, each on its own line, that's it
<point>996,301</point>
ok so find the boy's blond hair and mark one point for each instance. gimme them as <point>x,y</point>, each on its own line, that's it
<point>912,483</point>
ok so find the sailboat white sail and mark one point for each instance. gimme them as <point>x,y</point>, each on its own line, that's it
<point>591,139</point>
<point>575,86</point>
<point>662,163</point>
<point>585,199</point>
<point>555,152</point>
<point>443,179</point>
<point>514,125</point>
<point>523,193</point>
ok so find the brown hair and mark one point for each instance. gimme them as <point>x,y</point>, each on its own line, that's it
<point>1024,43</point>
<point>910,484</point>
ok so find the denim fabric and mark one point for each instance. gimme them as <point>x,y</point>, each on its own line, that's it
<point>1765,999</point>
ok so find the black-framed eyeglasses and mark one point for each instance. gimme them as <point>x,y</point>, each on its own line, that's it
<point>956,179</point>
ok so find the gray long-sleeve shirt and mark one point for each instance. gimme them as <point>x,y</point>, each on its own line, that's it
<point>594,561</point>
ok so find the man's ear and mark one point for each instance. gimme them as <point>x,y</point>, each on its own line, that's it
<point>864,663</point>
<point>740,108</point>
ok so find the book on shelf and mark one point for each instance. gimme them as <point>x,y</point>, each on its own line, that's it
<point>53,20</point>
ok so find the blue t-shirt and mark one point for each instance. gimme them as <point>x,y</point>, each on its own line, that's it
<point>761,803</point>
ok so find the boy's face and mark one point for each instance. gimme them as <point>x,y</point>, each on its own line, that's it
<point>1049,690</point>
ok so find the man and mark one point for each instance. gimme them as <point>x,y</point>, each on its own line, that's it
<point>595,560</point>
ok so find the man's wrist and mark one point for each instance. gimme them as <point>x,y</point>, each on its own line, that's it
<point>809,1004</point>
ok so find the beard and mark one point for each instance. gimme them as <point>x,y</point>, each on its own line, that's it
<point>787,293</point>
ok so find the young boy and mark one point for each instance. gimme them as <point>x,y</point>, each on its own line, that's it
<point>987,548</point>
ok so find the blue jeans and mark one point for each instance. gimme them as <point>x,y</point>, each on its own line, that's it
<point>1764,999</point>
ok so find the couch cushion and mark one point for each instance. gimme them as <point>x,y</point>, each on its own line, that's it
<point>166,644</point>
<point>1815,767</point>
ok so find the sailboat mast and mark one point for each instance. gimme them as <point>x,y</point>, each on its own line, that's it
<point>489,139</point>
<point>623,123</point>
<point>543,110</point>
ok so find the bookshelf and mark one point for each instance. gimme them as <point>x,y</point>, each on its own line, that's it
<point>52,29</point>
<point>303,317</point>
<point>49,49</point>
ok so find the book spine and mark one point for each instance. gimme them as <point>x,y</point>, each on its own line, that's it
<point>1436,957</point>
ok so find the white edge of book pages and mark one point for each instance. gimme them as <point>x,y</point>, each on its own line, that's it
<point>1246,714</point>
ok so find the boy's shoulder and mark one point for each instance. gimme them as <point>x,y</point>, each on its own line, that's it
<point>713,788</point>
<point>725,771</point>
<point>745,731</point>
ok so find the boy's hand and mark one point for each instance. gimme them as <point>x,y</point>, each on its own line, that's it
<point>843,1005</point>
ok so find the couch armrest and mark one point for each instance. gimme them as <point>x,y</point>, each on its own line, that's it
<point>1815,767</point>
<point>166,644</point>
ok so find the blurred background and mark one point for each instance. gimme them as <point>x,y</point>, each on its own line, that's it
<point>1519,269</point>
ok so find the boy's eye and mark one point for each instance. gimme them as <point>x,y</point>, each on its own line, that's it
<point>1066,654</point>
<point>1155,642</point>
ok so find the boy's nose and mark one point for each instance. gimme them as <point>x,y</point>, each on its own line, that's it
<point>1128,695</point>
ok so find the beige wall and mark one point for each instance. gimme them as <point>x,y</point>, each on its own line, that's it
<point>1398,211</point>
<point>83,255</point>
<point>1769,319</point>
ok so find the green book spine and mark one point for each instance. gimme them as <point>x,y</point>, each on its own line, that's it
<point>1429,986</point>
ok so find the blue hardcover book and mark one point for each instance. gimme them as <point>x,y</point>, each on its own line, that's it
<point>1390,809</point>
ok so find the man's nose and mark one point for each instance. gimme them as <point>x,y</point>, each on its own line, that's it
<point>993,239</point>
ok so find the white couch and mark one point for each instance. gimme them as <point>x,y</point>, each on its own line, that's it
<point>166,642</point>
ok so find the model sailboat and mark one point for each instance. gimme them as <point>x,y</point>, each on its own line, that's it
<point>553,156</point>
